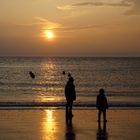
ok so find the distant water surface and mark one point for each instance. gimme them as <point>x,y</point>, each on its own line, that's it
<point>120,77</point>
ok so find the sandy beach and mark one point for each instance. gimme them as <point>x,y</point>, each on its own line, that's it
<point>50,124</point>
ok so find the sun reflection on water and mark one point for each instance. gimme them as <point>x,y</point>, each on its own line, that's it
<point>48,125</point>
<point>45,88</point>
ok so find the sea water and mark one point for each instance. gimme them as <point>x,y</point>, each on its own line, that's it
<point>119,77</point>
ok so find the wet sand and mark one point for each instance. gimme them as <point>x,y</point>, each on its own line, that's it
<point>51,125</point>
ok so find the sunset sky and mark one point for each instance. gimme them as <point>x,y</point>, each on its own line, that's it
<point>70,27</point>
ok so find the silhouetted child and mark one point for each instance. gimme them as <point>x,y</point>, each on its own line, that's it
<point>101,104</point>
<point>70,95</point>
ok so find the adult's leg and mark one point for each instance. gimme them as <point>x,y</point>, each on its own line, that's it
<point>99,115</point>
<point>67,108</point>
<point>71,104</point>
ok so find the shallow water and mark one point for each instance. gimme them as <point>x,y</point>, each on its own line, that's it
<point>120,77</point>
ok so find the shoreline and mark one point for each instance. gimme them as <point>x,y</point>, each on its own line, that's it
<point>44,107</point>
<point>63,103</point>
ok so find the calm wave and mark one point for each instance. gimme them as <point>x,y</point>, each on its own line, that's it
<point>120,77</point>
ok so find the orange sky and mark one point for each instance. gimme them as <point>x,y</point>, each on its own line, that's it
<point>83,27</point>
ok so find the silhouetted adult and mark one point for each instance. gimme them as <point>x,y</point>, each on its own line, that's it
<point>101,104</point>
<point>70,95</point>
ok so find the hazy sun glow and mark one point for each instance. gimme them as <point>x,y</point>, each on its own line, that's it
<point>48,34</point>
<point>65,28</point>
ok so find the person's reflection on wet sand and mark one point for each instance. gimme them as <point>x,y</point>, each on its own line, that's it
<point>70,133</point>
<point>102,133</point>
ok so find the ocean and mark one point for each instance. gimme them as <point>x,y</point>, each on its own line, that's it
<point>119,77</point>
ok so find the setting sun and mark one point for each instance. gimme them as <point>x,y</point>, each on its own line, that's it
<point>49,34</point>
